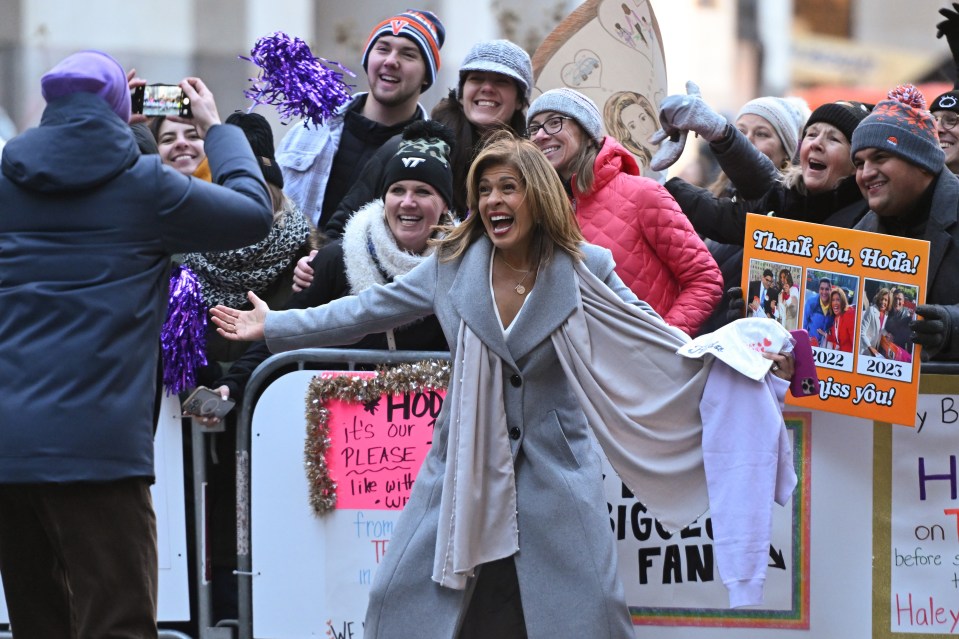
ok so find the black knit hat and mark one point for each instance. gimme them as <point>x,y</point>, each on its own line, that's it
<point>948,101</point>
<point>845,115</point>
<point>424,155</point>
<point>260,135</point>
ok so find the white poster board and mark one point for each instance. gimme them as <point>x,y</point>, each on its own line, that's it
<point>924,526</point>
<point>312,575</point>
<point>168,502</point>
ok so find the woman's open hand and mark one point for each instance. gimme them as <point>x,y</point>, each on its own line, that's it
<point>241,326</point>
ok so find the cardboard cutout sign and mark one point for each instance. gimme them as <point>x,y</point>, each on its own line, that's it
<point>611,51</point>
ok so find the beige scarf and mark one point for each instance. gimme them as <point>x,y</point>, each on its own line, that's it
<point>641,400</point>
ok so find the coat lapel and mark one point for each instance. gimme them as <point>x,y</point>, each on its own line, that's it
<point>473,300</point>
<point>552,300</point>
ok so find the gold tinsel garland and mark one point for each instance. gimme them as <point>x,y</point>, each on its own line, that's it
<point>395,380</point>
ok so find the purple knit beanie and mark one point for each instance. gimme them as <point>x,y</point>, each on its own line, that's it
<point>89,72</point>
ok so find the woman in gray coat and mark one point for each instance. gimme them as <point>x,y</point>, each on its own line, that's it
<point>508,508</point>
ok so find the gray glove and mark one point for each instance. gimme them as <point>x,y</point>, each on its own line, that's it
<point>670,148</point>
<point>691,113</point>
<point>934,330</point>
<point>679,114</point>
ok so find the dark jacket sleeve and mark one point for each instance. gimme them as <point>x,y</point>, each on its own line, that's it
<point>749,170</point>
<point>232,212</point>
<point>329,283</point>
<point>721,219</point>
<point>364,190</point>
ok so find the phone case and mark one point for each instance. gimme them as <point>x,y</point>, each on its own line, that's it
<point>805,380</point>
<point>204,402</point>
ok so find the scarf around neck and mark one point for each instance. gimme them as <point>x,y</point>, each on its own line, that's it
<point>226,276</point>
<point>649,426</point>
<point>370,252</point>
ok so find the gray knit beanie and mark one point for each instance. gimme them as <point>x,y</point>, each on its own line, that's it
<point>572,103</point>
<point>499,56</point>
<point>786,115</point>
<point>903,127</point>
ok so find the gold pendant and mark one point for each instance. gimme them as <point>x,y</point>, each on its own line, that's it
<point>520,289</point>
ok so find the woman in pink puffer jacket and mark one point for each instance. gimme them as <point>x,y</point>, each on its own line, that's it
<point>658,253</point>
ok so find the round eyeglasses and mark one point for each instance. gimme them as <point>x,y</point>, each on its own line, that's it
<point>552,126</point>
<point>947,119</point>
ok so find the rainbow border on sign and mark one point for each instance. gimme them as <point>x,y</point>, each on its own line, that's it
<point>797,617</point>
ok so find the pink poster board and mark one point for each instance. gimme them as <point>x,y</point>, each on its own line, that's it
<point>377,447</point>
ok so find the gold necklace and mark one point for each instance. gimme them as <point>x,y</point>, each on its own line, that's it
<point>519,288</point>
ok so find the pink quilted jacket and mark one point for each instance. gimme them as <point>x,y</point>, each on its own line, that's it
<point>658,254</point>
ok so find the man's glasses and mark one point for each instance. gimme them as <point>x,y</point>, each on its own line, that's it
<point>552,126</point>
<point>947,119</point>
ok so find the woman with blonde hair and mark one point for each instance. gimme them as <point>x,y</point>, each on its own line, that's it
<point>531,312</point>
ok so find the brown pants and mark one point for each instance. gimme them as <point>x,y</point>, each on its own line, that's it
<point>79,560</point>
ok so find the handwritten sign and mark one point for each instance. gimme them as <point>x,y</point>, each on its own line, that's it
<point>612,52</point>
<point>855,294</point>
<point>672,579</point>
<point>924,539</point>
<point>378,449</point>
<point>377,444</point>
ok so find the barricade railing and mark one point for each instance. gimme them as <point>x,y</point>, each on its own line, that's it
<point>301,360</point>
<point>259,380</point>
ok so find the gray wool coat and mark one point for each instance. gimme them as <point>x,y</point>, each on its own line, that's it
<point>566,565</point>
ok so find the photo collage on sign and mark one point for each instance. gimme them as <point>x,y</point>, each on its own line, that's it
<point>854,324</point>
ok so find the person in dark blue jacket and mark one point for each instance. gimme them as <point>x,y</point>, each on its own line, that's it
<point>87,229</point>
<point>817,317</point>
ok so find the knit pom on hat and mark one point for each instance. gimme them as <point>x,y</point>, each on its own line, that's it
<point>902,126</point>
<point>499,56</point>
<point>423,154</point>
<point>573,104</point>
<point>423,28</point>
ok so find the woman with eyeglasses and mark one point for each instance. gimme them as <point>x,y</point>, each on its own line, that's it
<point>945,109</point>
<point>658,254</point>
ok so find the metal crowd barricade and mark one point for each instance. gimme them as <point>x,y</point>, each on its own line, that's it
<point>259,380</point>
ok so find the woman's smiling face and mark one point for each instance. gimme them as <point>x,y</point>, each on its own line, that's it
<point>502,204</point>
<point>180,146</point>
<point>489,99</point>
<point>412,209</point>
<point>824,157</point>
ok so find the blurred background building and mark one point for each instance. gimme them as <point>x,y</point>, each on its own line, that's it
<point>734,49</point>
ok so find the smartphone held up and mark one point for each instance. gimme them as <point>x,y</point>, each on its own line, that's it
<point>160,99</point>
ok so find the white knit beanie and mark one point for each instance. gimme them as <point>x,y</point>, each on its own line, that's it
<point>786,115</point>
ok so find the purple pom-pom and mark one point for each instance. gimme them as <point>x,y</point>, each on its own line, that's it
<point>183,337</point>
<point>296,82</point>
